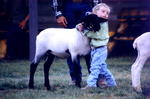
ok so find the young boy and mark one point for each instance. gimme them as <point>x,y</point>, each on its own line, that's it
<point>98,44</point>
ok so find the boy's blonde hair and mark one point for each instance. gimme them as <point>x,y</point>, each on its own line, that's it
<point>98,6</point>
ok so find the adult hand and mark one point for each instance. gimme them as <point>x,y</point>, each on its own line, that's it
<point>62,21</point>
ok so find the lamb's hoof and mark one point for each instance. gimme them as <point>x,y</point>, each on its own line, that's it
<point>137,89</point>
<point>78,85</point>
<point>31,86</point>
<point>47,87</point>
<point>72,83</point>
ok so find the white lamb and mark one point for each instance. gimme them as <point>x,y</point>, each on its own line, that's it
<point>63,42</point>
<point>142,44</point>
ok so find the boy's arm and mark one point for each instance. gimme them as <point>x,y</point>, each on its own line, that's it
<point>101,34</point>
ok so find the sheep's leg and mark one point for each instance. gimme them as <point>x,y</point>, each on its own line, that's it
<point>136,72</point>
<point>77,71</point>
<point>33,67</point>
<point>47,65</point>
<point>88,61</point>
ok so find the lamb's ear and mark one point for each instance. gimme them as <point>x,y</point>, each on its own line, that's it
<point>82,20</point>
<point>102,20</point>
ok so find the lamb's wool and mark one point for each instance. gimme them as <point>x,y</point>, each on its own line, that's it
<point>59,40</point>
<point>143,47</point>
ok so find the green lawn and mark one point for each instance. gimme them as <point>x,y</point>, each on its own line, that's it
<point>14,77</point>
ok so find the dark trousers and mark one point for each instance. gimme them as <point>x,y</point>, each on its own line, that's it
<point>71,66</point>
<point>17,42</point>
<point>73,13</point>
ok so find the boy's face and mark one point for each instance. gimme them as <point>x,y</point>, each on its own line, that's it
<point>103,12</point>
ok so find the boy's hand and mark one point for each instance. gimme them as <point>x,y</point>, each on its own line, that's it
<point>79,27</point>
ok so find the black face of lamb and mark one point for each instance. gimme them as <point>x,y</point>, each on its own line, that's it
<point>92,22</point>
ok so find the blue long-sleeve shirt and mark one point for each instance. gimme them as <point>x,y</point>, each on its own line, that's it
<point>58,5</point>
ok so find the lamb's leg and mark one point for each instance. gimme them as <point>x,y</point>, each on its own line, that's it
<point>33,67</point>
<point>136,72</point>
<point>47,65</point>
<point>88,61</point>
<point>77,72</point>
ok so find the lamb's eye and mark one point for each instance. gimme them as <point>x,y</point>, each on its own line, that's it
<point>91,26</point>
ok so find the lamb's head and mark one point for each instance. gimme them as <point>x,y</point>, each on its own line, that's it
<point>92,22</point>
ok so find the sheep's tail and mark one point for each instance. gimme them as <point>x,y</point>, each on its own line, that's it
<point>135,44</point>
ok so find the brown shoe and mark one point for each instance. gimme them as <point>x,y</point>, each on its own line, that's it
<point>101,82</point>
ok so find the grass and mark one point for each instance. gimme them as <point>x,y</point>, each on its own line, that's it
<point>14,81</point>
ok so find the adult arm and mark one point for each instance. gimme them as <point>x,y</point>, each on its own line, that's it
<point>57,6</point>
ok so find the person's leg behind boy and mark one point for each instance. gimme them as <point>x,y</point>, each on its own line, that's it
<point>73,14</point>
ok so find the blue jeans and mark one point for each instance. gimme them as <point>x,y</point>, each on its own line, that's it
<point>99,66</point>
